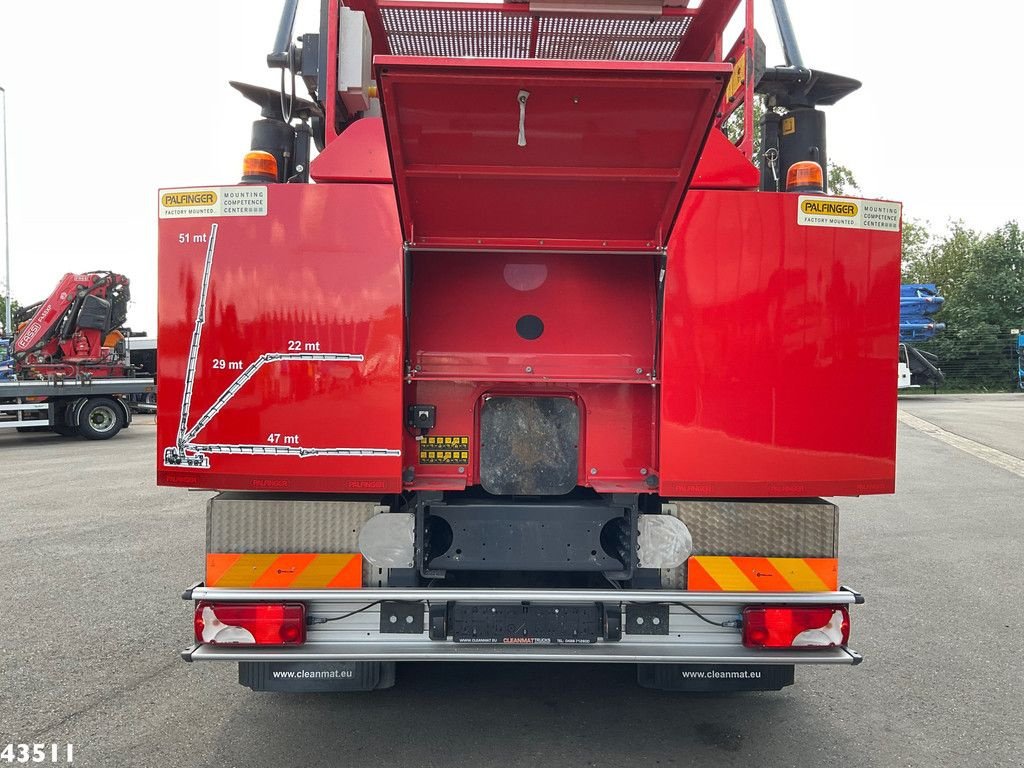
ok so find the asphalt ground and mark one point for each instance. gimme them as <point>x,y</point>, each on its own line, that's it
<point>993,420</point>
<point>93,557</point>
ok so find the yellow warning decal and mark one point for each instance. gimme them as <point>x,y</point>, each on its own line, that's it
<point>739,77</point>
<point>762,574</point>
<point>444,449</point>
<point>788,126</point>
<point>304,570</point>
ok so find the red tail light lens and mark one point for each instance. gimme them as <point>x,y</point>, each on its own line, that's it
<point>250,623</point>
<point>782,627</point>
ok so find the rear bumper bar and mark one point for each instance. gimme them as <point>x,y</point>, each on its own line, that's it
<point>844,596</point>
<point>689,640</point>
<point>620,651</point>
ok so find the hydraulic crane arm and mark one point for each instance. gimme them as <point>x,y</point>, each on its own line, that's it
<point>58,315</point>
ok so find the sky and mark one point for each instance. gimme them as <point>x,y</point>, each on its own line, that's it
<point>110,100</point>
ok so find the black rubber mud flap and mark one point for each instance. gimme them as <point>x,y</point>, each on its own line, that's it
<point>714,678</point>
<point>316,677</point>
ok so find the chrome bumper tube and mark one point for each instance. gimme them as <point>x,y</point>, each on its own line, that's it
<point>621,651</point>
<point>842,597</point>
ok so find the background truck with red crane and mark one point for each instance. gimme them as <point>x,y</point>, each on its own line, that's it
<point>67,367</point>
<point>473,395</point>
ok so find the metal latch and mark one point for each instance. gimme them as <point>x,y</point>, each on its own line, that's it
<point>772,156</point>
<point>523,96</point>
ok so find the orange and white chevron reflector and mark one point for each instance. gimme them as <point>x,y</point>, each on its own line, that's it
<point>294,571</point>
<point>762,574</point>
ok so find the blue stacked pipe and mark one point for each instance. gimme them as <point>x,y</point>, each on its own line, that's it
<point>918,302</point>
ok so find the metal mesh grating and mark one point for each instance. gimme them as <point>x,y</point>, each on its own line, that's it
<point>238,522</point>
<point>611,39</point>
<point>455,32</point>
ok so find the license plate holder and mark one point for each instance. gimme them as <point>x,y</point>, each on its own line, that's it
<point>526,624</point>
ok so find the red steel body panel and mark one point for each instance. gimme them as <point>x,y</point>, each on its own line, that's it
<point>359,153</point>
<point>617,425</point>
<point>774,375</point>
<point>723,166</point>
<point>778,349</point>
<point>321,272</point>
<point>598,157</point>
<point>598,312</point>
<point>597,348</point>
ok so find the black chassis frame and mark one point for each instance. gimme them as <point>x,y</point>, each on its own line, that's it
<point>598,535</point>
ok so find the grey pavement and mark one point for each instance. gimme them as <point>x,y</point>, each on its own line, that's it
<point>994,420</point>
<point>94,556</point>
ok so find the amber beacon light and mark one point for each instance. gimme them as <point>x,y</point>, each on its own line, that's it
<point>259,167</point>
<point>805,177</point>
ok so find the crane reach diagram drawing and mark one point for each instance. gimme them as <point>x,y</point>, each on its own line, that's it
<point>189,451</point>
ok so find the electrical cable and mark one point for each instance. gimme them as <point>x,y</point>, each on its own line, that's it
<point>731,624</point>
<point>314,620</point>
<point>287,116</point>
<point>615,584</point>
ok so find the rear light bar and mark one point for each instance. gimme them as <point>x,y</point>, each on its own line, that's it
<point>790,627</point>
<point>250,623</point>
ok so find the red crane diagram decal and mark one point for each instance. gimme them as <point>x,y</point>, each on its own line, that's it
<point>189,450</point>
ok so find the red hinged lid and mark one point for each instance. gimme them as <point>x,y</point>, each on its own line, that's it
<point>544,154</point>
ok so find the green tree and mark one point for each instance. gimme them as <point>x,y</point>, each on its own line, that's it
<point>982,278</point>
<point>841,180</point>
<point>733,127</point>
<point>3,312</point>
<point>917,240</point>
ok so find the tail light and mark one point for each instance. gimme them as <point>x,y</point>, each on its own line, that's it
<point>250,623</point>
<point>784,627</point>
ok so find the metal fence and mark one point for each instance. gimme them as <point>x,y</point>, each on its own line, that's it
<point>987,361</point>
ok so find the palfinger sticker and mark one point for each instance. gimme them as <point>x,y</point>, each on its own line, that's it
<point>848,213</point>
<point>195,203</point>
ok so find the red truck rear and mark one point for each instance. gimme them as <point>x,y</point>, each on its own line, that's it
<point>542,367</point>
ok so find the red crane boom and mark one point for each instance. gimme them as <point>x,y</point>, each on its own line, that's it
<point>75,329</point>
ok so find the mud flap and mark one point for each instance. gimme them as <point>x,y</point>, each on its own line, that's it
<point>316,677</point>
<point>714,678</point>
